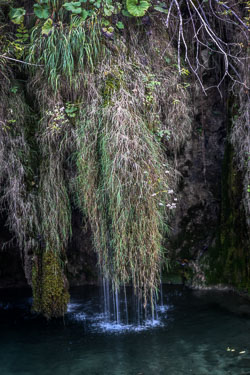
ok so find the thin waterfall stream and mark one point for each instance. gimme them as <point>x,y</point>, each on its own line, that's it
<point>117,309</point>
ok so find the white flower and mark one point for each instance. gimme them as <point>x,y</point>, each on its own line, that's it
<point>168,205</point>
<point>160,204</point>
<point>167,172</point>
<point>175,199</point>
<point>170,191</point>
<point>153,195</point>
<point>62,109</point>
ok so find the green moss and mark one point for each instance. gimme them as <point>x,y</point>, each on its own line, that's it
<point>229,258</point>
<point>112,83</point>
<point>50,290</point>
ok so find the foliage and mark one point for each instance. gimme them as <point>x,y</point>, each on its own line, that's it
<point>20,44</point>
<point>47,27</point>
<point>137,8</point>
<point>201,22</point>
<point>122,184</point>
<point>41,10</point>
<point>107,89</point>
<point>16,168</point>
<point>34,193</point>
<point>74,7</point>
<point>122,180</point>
<point>17,15</point>
<point>161,8</point>
<point>58,52</point>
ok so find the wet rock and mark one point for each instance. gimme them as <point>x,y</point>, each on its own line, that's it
<point>200,165</point>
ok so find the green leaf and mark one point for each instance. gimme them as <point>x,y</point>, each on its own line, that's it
<point>17,15</point>
<point>160,9</point>
<point>120,25</point>
<point>47,27</point>
<point>125,13</point>
<point>85,14</point>
<point>14,89</point>
<point>21,29</point>
<point>74,7</point>
<point>105,22</point>
<point>97,4</point>
<point>41,11</point>
<point>108,10</point>
<point>137,8</point>
<point>23,37</point>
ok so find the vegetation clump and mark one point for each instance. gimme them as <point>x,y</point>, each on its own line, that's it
<point>110,111</point>
<point>124,182</point>
<point>50,290</point>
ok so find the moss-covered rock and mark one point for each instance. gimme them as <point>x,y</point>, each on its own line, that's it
<point>50,291</point>
<point>229,260</point>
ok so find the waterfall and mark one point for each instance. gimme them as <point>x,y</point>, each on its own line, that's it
<point>120,306</point>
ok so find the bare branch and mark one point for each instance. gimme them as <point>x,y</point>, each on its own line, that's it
<point>20,61</point>
<point>235,15</point>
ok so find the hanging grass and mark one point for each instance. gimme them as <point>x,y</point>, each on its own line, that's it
<point>55,138</point>
<point>124,181</point>
<point>122,111</point>
<point>66,53</point>
<point>63,55</point>
<point>18,196</point>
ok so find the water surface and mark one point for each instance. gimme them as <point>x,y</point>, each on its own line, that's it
<point>194,333</point>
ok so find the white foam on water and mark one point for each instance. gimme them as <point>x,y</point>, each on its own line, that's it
<point>79,316</point>
<point>164,308</point>
<point>73,307</point>
<point>114,327</point>
<point>101,322</point>
<point>97,317</point>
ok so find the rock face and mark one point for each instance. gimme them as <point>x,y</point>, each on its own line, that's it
<point>11,268</point>
<point>200,165</point>
<point>82,261</point>
<point>210,238</point>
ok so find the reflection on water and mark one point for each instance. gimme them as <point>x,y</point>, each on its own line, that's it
<point>193,334</point>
